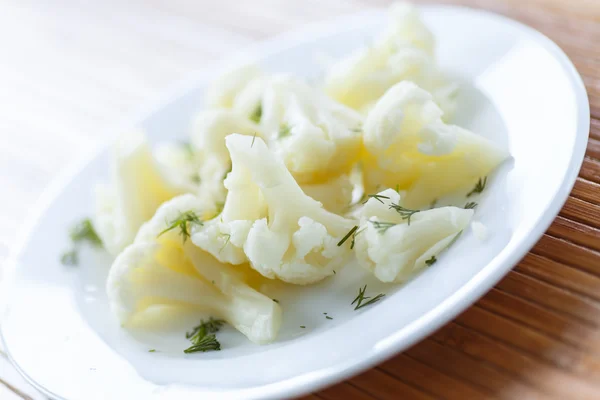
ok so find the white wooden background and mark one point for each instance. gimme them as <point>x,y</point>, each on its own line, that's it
<point>71,69</point>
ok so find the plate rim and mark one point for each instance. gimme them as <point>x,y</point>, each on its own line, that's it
<point>419,328</point>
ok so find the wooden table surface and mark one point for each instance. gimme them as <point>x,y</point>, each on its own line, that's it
<point>72,69</point>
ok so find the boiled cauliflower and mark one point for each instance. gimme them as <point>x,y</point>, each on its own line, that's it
<point>268,220</point>
<point>223,91</point>
<point>409,146</point>
<point>136,190</point>
<point>395,243</point>
<point>162,268</point>
<point>208,143</point>
<point>179,164</point>
<point>316,137</point>
<point>240,90</point>
<point>335,194</point>
<point>404,51</point>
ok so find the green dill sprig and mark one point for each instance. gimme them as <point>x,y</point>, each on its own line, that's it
<point>377,197</point>
<point>81,232</point>
<point>382,227</point>
<point>431,261</point>
<point>479,187</point>
<point>362,301</point>
<point>470,205</point>
<point>350,233</point>
<point>203,336</point>
<point>84,232</point>
<point>206,343</point>
<point>70,257</point>
<point>405,213</point>
<point>226,241</point>
<point>354,238</point>
<point>253,139</point>
<point>284,130</point>
<point>183,222</point>
<point>257,113</point>
<point>204,328</point>
<point>195,178</point>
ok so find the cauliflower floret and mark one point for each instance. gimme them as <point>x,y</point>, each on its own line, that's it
<point>208,143</point>
<point>404,51</point>
<point>282,232</point>
<point>240,90</point>
<point>395,247</point>
<point>161,268</point>
<point>223,91</point>
<point>335,194</point>
<point>408,146</point>
<point>317,138</point>
<point>179,165</point>
<point>136,190</point>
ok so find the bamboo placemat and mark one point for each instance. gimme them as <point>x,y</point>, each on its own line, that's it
<point>536,334</point>
<point>70,70</point>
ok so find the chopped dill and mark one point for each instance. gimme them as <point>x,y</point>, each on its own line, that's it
<point>362,301</point>
<point>81,232</point>
<point>354,238</point>
<point>470,205</point>
<point>405,213</point>
<point>226,241</point>
<point>377,197</point>
<point>204,344</point>
<point>479,187</point>
<point>195,178</point>
<point>183,222</point>
<point>152,351</point>
<point>204,328</point>
<point>203,338</point>
<point>350,233</point>
<point>253,139</point>
<point>328,317</point>
<point>257,113</point>
<point>276,301</point>
<point>284,130</point>
<point>431,261</point>
<point>382,227</point>
<point>84,232</point>
<point>70,257</point>
<point>302,326</point>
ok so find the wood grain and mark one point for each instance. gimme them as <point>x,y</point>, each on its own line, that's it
<point>71,69</point>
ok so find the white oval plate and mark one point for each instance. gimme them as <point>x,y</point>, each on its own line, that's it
<point>520,90</point>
